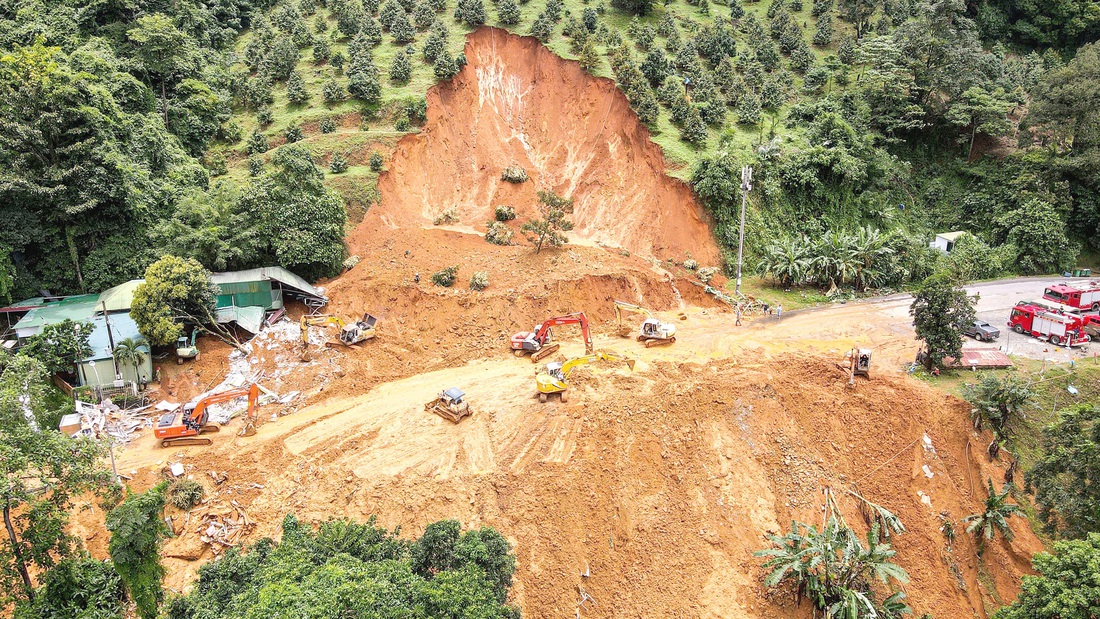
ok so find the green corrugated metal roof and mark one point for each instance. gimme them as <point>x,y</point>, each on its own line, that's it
<point>121,297</point>
<point>79,309</point>
<point>278,274</point>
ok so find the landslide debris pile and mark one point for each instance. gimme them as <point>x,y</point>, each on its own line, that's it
<point>650,490</point>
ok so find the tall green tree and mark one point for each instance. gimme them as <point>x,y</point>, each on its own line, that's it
<point>1069,99</point>
<point>40,472</point>
<point>941,311</point>
<point>137,530</point>
<point>1066,480</point>
<point>550,228</point>
<point>175,289</point>
<point>161,49</point>
<point>858,13</point>
<point>61,345</point>
<point>300,222</point>
<point>982,111</point>
<point>1066,587</point>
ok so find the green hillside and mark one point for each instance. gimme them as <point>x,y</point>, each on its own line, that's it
<point>131,132</point>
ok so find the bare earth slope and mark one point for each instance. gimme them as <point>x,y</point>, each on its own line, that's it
<point>516,103</point>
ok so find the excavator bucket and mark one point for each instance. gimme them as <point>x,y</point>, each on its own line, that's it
<point>630,364</point>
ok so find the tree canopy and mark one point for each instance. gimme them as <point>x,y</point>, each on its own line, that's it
<point>345,568</point>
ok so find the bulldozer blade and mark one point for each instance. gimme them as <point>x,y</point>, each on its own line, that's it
<point>545,352</point>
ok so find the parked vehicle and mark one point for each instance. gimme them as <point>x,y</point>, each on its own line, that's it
<point>1058,328</point>
<point>982,331</point>
<point>1075,295</point>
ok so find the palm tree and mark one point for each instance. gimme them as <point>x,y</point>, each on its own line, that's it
<point>126,351</point>
<point>785,260</point>
<point>994,518</point>
<point>869,249</point>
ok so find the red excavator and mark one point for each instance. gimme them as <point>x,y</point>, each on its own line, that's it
<point>537,342</point>
<point>184,425</point>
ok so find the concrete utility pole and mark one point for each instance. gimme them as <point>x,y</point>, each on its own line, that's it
<point>746,187</point>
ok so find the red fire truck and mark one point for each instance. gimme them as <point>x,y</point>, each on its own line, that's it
<point>1075,295</point>
<point>1038,321</point>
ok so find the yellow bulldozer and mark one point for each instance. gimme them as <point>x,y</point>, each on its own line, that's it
<point>652,332</point>
<point>555,378</point>
<point>450,405</point>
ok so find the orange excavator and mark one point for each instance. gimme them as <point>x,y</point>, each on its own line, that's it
<point>184,425</point>
<point>537,342</point>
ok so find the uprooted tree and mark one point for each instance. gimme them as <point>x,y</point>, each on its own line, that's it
<point>176,289</point>
<point>549,229</point>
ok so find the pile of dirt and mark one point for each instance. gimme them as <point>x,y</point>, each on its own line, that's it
<point>516,103</point>
<point>648,489</point>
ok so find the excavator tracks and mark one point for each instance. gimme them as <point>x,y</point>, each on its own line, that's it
<point>652,343</point>
<point>185,441</point>
<point>545,352</point>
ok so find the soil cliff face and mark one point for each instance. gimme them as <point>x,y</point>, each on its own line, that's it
<point>516,103</point>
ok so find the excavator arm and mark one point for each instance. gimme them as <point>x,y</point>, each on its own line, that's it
<point>620,307</point>
<point>577,318</point>
<point>573,364</point>
<point>317,321</point>
<point>198,414</point>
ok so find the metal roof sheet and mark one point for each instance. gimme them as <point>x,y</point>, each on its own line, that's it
<point>278,274</point>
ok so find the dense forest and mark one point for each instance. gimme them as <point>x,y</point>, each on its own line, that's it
<point>132,130</point>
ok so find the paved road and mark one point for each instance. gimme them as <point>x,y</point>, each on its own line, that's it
<point>995,300</point>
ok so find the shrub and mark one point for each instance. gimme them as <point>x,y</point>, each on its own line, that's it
<point>508,12</point>
<point>401,68</point>
<point>690,264</point>
<point>255,165</point>
<point>217,165</point>
<point>185,494</point>
<point>402,123</point>
<point>504,213</point>
<point>339,164</point>
<point>294,134</point>
<point>479,281</point>
<point>328,125</point>
<point>265,116</point>
<point>296,91</point>
<point>498,233</point>
<point>514,174</point>
<point>446,277</point>
<point>706,274</point>
<point>448,216</point>
<point>375,162</point>
<point>257,144</point>
<point>333,92</point>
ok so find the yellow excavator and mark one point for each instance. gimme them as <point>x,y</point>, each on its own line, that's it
<point>653,332</point>
<point>554,379</point>
<point>350,334</point>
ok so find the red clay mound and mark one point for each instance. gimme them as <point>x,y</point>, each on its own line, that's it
<point>516,103</point>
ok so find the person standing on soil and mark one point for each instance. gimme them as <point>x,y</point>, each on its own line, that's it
<point>779,312</point>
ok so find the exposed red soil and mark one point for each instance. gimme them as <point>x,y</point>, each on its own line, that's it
<point>516,103</point>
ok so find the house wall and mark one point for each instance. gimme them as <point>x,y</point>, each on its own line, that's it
<point>103,374</point>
